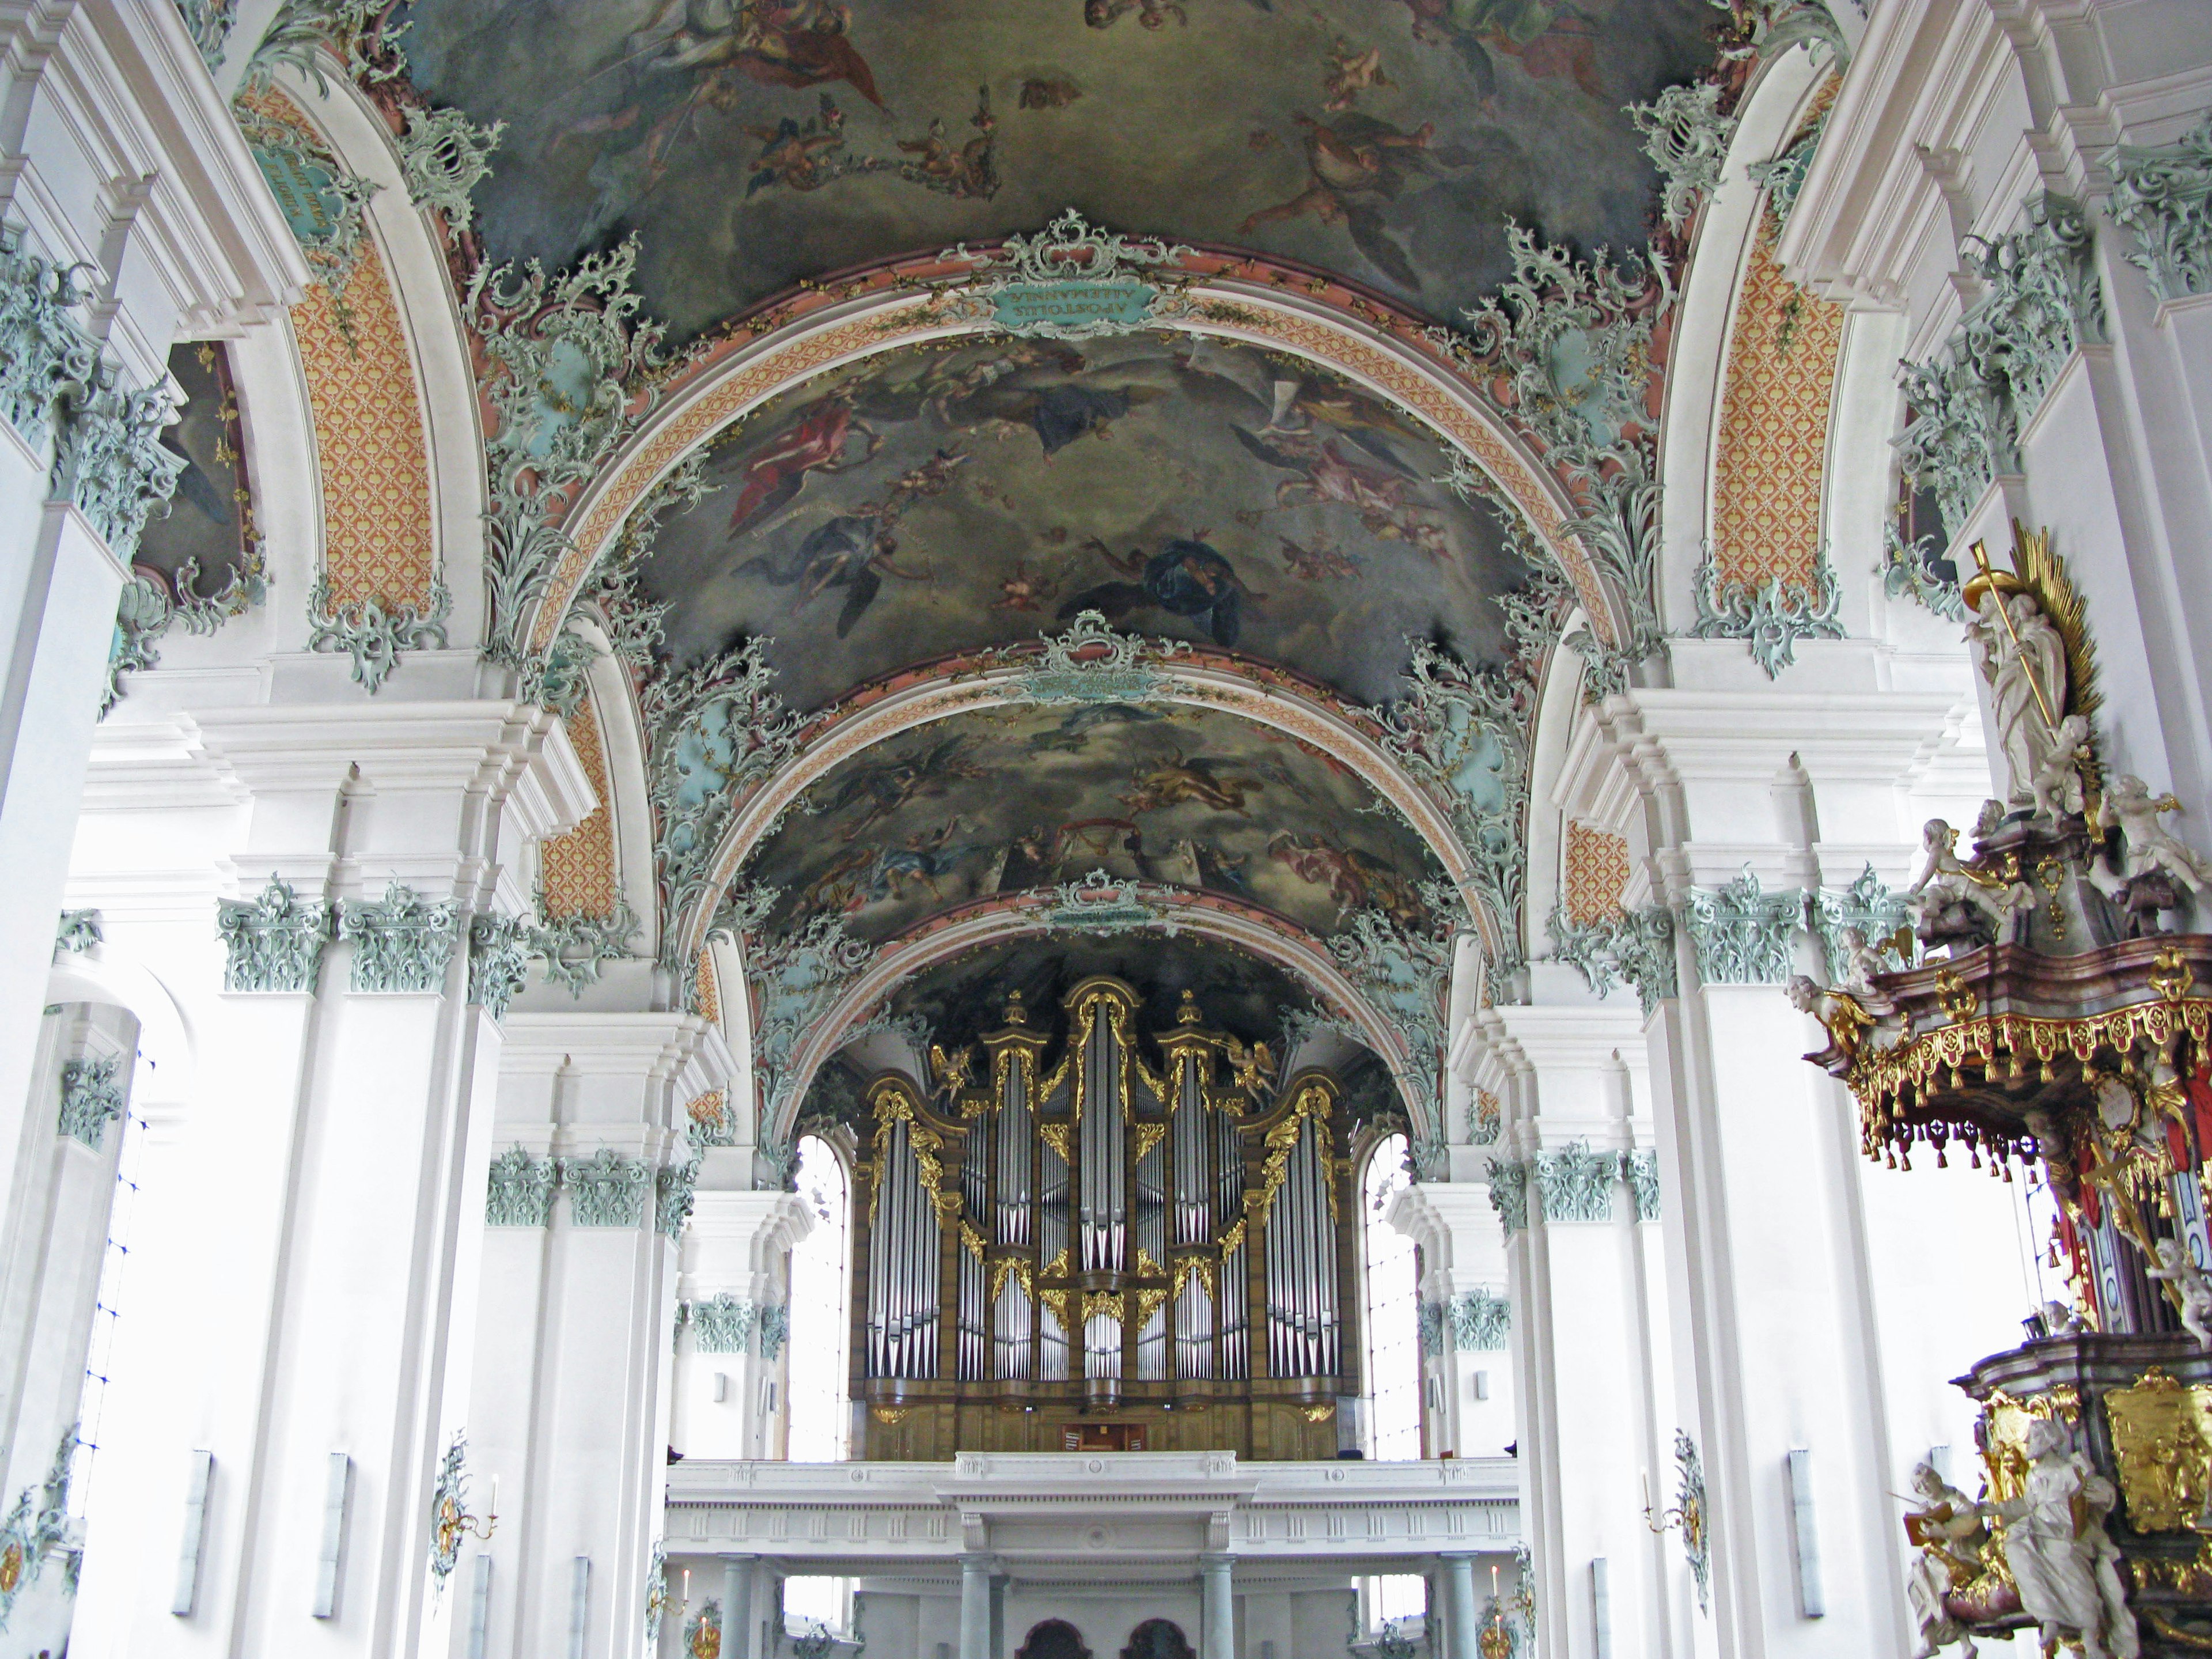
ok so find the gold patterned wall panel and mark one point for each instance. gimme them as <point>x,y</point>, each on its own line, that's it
<point>710,990</point>
<point>576,872</point>
<point>369,446</point>
<point>1596,873</point>
<point>1774,428</point>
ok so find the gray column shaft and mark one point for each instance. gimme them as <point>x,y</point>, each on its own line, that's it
<point>1458,1604</point>
<point>975,1607</point>
<point>1219,1625</point>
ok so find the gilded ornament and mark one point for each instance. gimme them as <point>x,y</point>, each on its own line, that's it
<point>2162,1444</point>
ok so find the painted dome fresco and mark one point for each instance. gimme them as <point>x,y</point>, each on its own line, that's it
<point>750,146</point>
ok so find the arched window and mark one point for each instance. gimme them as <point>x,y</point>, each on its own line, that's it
<point>819,1274</point>
<point>1394,1350</point>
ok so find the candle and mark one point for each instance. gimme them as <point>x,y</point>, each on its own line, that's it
<point>495,1498</point>
<point>1493,1581</point>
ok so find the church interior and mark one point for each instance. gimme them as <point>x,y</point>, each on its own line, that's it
<point>1105,829</point>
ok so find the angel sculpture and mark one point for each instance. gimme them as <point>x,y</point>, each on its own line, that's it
<point>2129,805</point>
<point>1948,887</point>
<point>1952,1535</point>
<point>2059,1320</point>
<point>2056,785</point>
<point>2066,1566</point>
<point>1864,959</point>
<point>2192,1287</point>
<point>1837,1011</point>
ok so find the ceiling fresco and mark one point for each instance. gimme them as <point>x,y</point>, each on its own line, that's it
<point>752,145</point>
<point>1187,797</point>
<point>934,500</point>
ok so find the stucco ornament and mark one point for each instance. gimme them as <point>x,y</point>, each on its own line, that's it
<point>569,364</point>
<point>573,948</point>
<point>444,156</point>
<point>36,1532</point>
<point>722,1324</point>
<point>151,604</point>
<point>401,942</point>
<point>1402,975</point>
<point>1071,280</point>
<point>1480,1321</point>
<point>796,979</point>
<point>275,941</point>
<point>715,729</point>
<point>303,31</point>
<point>2163,197</point>
<point>1509,1193</point>
<point>606,1189</point>
<point>2067,1568</point>
<point>1857,928</point>
<point>1099,904</point>
<point>1641,1171</point>
<point>1687,137</point>
<point>77,931</point>
<point>656,1593</point>
<point>1783,179</point>
<point>1576,1183</point>
<point>1091,663</point>
<point>673,1187</point>
<point>1907,573</point>
<point>326,207</point>
<point>775,1329</point>
<point>1742,934</point>
<point>374,637</point>
<point>1769,617</point>
<point>1637,946</point>
<point>499,961</point>
<point>208,22</point>
<point>520,1192</point>
<point>92,1098</point>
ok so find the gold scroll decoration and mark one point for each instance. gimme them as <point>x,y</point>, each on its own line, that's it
<point>2005,1418</point>
<point>2162,1441</point>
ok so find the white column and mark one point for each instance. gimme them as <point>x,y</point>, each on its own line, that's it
<point>1585,1272</point>
<point>1217,1616</point>
<point>117,154</point>
<point>742,1611</point>
<point>310,1235</point>
<point>1461,1622</point>
<point>975,1607</point>
<point>576,1314</point>
<point>737,1249</point>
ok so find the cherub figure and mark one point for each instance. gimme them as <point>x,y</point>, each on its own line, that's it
<point>1345,72</point>
<point>2129,805</point>
<point>2192,1288</point>
<point>2057,784</point>
<point>1946,881</point>
<point>1949,1529</point>
<point>2059,1320</point>
<point>1863,960</point>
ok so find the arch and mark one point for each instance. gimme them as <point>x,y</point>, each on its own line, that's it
<point>1158,1639</point>
<point>1246,300</point>
<point>1054,1638</point>
<point>990,920</point>
<point>889,709</point>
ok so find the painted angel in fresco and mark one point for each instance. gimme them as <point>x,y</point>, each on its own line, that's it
<point>818,439</point>
<point>967,171</point>
<point>1073,735</point>
<point>1187,577</point>
<point>1155,783</point>
<point>1379,494</point>
<point>1150,13</point>
<point>924,859</point>
<point>856,551</point>
<point>780,43</point>
<point>1355,880</point>
<point>1058,408</point>
<point>800,157</point>
<point>1551,41</point>
<point>1346,71</point>
<point>1314,565</point>
<point>883,787</point>
<point>1357,163</point>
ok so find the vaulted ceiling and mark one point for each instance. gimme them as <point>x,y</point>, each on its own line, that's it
<point>1336,520</point>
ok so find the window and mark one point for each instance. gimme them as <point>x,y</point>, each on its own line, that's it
<point>100,1352</point>
<point>816,1349</point>
<point>1394,1342</point>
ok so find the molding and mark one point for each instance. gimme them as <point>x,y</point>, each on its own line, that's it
<point>520,1192</point>
<point>606,1189</point>
<point>92,1098</point>
<point>275,942</point>
<point>401,943</point>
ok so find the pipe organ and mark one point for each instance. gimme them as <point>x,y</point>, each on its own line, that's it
<point>1071,1244</point>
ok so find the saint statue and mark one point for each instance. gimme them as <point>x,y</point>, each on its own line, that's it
<point>2067,1568</point>
<point>1948,1527</point>
<point>2023,660</point>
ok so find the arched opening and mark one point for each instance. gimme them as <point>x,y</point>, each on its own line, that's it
<point>1391,1276</point>
<point>819,1275</point>
<point>1056,1639</point>
<point>1158,1639</point>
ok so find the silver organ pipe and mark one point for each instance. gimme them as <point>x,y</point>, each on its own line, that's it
<point>904,1243</point>
<point>1194,1207</point>
<point>1016,1132</point>
<point>1014,1329</point>
<point>1104,1198</point>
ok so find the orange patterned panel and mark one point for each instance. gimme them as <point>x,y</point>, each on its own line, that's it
<point>577,870</point>
<point>369,447</point>
<point>1597,872</point>
<point>1774,429</point>
<point>710,993</point>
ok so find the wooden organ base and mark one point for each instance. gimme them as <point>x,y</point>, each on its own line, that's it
<point>919,1428</point>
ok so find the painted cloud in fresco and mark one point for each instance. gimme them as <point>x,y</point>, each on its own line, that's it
<point>1387,140</point>
<point>1018,797</point>
<point>933,501</point>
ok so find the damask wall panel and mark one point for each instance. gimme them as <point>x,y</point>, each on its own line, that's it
<point>1783,349</point>
<point>577,870</point>
<point>1596,873</point>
